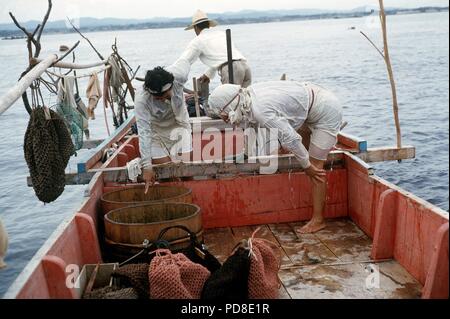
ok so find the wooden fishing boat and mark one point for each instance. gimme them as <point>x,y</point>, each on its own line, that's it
<point>377,232</point>
<point>380,241</point>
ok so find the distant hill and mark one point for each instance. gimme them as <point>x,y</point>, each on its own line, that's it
<point>246,16</point>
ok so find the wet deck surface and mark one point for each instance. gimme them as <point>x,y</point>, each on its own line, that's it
<point>333,263</point>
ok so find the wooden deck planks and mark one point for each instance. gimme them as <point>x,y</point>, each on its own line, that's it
<point>303,249</point>
<point>401,283</point>
<point>333,263</point>
<point>351,281</point>
<point>346,241</point>
<point>220,242</point>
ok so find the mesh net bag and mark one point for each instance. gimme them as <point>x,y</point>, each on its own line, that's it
<point>176,277</point>
<point>75,121</point>
<point>134,276</point>
<point>47,149</point>
<point>263,281</point>
<point>230,282</point>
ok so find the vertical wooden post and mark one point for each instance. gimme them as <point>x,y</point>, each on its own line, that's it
<point>197,103</point>
<point>55,275</point>
<point>391,74</point>
<point>384,236</point>
<point>88,236</point>
<point>230,58</point>
<point>203,89</point>
<point>436,285</point>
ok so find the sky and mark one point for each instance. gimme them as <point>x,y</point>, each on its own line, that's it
<point>26,10</point>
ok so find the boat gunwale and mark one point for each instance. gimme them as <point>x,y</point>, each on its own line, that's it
<point>422,202</point>
<point>33,265</point>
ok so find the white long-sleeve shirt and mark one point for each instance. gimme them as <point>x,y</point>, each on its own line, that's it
<point>283,105</point>
<point>211,48</point>
<point>157,119</point>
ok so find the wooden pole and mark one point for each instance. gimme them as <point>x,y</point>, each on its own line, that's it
<point>197,103</point>
<point>230,58</point>
<point>16,91</point>
<point>100,70</point>
<point>203,90</point>
<point>72,66</point>
<point>387,59</point>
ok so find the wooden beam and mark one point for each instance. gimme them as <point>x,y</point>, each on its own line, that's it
<point>386,154</point>
<point>352,143</point>
<point>364,167</point>
<point>7,100</point>
<point>107,143</point>
<point>74,66</point>
<point>285,163</point>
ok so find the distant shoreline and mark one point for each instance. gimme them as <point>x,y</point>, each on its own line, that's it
<point>181,23</point>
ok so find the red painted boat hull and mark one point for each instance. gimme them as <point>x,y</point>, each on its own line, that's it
<point>402,226</point>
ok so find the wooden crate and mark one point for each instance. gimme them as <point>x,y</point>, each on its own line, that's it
<point>93,277</point>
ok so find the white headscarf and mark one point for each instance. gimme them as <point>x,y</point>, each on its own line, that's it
<point>233,100</point>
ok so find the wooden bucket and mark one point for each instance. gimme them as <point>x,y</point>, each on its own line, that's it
<point>136,196</point>
<point>127,228</point>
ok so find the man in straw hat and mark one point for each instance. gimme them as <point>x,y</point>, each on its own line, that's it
<point>305,117</point>
<point>162,117</point>
<point>211,48</point>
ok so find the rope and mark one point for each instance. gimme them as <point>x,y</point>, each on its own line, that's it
<point>264,241</point>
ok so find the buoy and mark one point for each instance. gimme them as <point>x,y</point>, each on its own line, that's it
<point>3,244</point>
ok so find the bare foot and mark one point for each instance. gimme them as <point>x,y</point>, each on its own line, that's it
<point>313,227</point>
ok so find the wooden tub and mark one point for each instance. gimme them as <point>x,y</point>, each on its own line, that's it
<point>136,196</point>
<point>127,228</point>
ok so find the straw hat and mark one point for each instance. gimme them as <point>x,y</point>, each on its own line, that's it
<point>200,17</point>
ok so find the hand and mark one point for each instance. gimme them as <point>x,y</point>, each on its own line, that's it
<point>204,79</point>
<point>317,175</point>
<point>149,178</point>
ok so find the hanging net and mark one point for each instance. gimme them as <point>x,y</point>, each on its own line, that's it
<point>48,148</point>
<point>75,121</point>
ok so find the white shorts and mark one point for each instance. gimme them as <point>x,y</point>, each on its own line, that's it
<point>324,121</point>
<point>321,144</point>
<point>163,147</point>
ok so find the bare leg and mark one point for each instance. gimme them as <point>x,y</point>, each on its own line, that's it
<point>317,222</point>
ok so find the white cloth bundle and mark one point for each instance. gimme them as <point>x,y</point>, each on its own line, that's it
<point>232,99</point>
<point>134,169</point>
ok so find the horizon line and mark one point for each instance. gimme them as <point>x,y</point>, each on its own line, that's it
<point>231,12</point>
